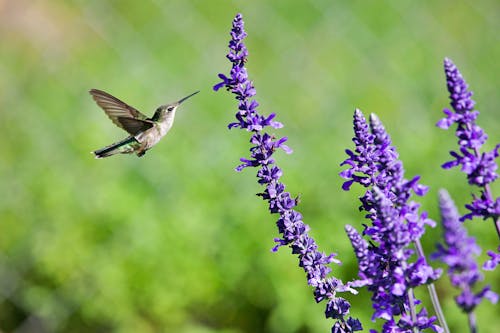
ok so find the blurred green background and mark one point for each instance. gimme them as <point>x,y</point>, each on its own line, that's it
<point>177,241</point>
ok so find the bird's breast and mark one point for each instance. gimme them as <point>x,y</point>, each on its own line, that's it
<point>153,135</point>
<point>164,127</point>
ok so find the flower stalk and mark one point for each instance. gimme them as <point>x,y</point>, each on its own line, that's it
<point>390,274</point>
<point>459,252</point>
<point>294,232</point>
<point>480,168</point>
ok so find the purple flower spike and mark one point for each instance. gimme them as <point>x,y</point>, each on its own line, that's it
<point>365,256</point>
<point>387,264</point>
<point>480,167</point>
<point>294,232</point>
<point>459,252</point>
<point>460,96</point>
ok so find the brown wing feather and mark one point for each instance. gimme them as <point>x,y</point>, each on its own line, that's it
<point>134,126</point>
<point>115,108</point>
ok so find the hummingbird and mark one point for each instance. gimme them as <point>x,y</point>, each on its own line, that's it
<point>144,132</point>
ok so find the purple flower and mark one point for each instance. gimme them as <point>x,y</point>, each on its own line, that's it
<point>493,261</point>
<point>480,168</point>
<point>459,252</point>
<point>366,257</point>
<point>386,264</point>
<point>294,232</point>
<point>350,325</point>
<point>460,96</point>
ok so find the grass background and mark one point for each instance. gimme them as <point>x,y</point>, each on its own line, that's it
<point>176,241</point>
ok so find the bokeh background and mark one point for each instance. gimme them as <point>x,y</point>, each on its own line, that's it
<point>177,241</point>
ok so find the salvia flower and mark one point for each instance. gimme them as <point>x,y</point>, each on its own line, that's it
<point>459,252</point>
<point>294,232</point>
<point>366,258</point>
<point>494,260</point>
<point>480,167</point>
<point>387,264</point>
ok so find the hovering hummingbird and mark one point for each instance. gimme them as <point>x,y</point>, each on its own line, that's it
<point>144,132</point>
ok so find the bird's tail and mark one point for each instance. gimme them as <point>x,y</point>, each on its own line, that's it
<point>121,147</point>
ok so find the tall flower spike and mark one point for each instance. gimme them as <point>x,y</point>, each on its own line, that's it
<point>294,233</point>
<point>459,252</point>
<point>365,256</point>
<point>480,168</point>
<point>385,265</point>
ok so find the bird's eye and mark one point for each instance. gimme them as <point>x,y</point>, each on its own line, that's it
<point>170,108</point>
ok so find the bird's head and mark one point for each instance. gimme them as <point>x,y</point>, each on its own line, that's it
<point>168,110</point>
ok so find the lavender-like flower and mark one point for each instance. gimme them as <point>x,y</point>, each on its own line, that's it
<point>494,260</point>
<point>459,252</point>
<point>384,262</point>
<point>366,257</point>
<point>294,233</point>
<point>480,167</point>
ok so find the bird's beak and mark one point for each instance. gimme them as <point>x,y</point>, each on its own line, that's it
<point>183,99</point>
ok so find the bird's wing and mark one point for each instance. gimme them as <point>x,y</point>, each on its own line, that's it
<point>117,111</point>
<point>134,126</point>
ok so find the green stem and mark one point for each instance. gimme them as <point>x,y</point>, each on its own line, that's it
<point>433,293</point>
<point>413,313</point>
<point>472,322</point>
